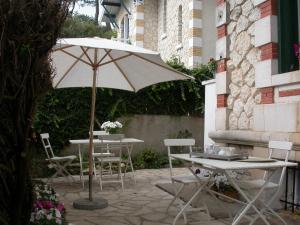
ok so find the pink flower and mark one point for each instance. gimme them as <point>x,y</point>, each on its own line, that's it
<point>44,204</point>
<point>61,207</point>
<point>296,49</point>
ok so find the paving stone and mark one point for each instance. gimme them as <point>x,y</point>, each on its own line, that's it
<point>140,204</point>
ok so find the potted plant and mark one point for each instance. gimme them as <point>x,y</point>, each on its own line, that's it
<point>111,127</point>
<point>221,184</point>
<point>47,209</point>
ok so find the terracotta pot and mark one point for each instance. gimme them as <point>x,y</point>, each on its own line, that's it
<point>230,194</point>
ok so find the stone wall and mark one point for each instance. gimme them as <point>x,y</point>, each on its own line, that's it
<point>146,28</point>
<point>242,57</point>
<point>153,129</point>
<point>255,104</point>
<point>168,42</point>
<point>151,24</point>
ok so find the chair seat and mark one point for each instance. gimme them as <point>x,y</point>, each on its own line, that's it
<point>256,184</point>
<point>103,154</point>
<point>109,159</point>
<point>63,158</point>
<point>187,179</point>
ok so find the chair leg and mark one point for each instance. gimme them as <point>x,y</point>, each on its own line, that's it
<point>125,169</point>
<point>81,177</point>
<point>100,176</point>
<point>110,170</point>
<point>94,167</point>
<point>176,194</point>
<point>120,176</point>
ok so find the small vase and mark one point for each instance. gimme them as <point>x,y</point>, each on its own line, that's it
<point>113,130</point>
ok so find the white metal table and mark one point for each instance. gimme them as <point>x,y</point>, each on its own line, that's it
<point>126,142</point>
<point>224,167</point>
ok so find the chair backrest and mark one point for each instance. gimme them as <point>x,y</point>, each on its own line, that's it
<point>109,147</point>
<point>283,146</point>
<point>169,143</point>
<point>47,145</point>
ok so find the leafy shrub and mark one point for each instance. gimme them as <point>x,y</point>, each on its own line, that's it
<point>151,159</point>
<point>83,26</point>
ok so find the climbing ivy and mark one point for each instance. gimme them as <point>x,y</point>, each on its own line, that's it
<point>64,113</point>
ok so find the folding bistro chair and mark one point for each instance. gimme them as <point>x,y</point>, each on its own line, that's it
<point>258,186</point>
<point>111,154</point>
<point>183,180</point>
<point>60,163</point>
<point>100,150</point>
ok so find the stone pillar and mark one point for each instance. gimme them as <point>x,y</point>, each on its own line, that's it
<point>195,33</point>
<point>266,39</point>
<point>139,24</point>
<point>222,77</point>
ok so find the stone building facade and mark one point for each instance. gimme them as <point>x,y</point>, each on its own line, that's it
<point>181,28</point>
<point>255,102</point>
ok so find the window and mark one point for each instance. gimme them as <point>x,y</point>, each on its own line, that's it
<point>288,35</point>
<point>165,17</point>
<point>180,24</point>
<point>124,28</point>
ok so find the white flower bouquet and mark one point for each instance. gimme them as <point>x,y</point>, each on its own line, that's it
<point>111,127</point>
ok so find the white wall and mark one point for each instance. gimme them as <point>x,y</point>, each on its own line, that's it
<point>210,109</point>
<point>209,33</point>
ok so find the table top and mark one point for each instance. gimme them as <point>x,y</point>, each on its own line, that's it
<point>97,141</point>
<point>232,165</point>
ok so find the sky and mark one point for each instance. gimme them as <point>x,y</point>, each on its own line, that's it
<point>85,10</point>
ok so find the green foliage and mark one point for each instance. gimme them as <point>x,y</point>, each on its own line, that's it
<point>29,29</point>
<point>184,134</point>
<point>150,159</point>
<point>84,26</point>
<point>64,113</point>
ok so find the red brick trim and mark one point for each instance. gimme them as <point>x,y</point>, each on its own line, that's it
<point>222,101</point>
<point>267,95</point>
<point>221,65</point>
<point>222,31</point>
<point>287,93</point>
<point>268,8</point>
<point>220,2</point>
<point>269,51</point>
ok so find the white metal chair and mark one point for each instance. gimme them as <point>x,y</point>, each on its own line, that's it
<point>251,186</point>
<point>98,149</point>
<point>60,163</point>
<point>111,154</point>
<point>83,170</point>
<point>184,179</point>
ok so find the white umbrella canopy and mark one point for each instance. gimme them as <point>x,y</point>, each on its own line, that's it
<point>97,62</point>
<point>122,66</point>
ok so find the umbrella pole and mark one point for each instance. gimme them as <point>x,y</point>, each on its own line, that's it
<point>91,144</point>
<point>91,203</point>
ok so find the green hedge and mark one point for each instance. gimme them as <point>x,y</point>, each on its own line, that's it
<point>65,113</point>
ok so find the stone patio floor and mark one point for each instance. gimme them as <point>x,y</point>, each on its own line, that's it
<point>139,204</point>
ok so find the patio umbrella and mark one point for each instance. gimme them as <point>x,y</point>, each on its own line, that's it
<point>96,62</point>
